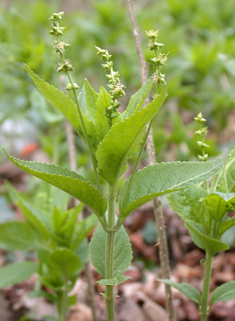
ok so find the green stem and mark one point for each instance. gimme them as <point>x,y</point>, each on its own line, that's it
<point>109,257</point>
<point>206,286</point>
<point>62,306</point>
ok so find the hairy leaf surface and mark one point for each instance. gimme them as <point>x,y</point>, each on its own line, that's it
<point>122,141</point>
<point>164,178</point>
<point>16,272</point>
<point>69,182</point>
<point>122,251</point>
<point>188,290</point>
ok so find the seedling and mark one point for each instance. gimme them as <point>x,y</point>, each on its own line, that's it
<point>58,239</point>
<point>204,210</point>
<point>112,138</point>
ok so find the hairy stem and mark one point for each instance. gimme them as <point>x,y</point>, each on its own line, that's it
<point>206,286</point>
<point>109,257</point>
<point>72,160</point>
<point>164,255</point>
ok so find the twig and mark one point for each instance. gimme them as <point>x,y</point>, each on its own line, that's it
<point>73,166</point>
<point>162,241</point>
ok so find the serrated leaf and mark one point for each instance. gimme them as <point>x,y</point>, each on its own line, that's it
<point>115,281</point>
<point>188,290</point>
<point>81,230</point>
<point>17,272</point>
<point>122,141</point>
<point>122,251</point>
<point>188,204</point>
<point>224,292</point>
<point>137,99</point>
<point>19,236</point>
<point>65,261</point>
<point>66,106</point>
<point>69,182</point>
<point>207,243</point>
<point>163,178</point>
<point>219,204</point>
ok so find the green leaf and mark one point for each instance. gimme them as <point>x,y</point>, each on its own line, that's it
<point>219,204</point>
<point>207,243</point>
<point>67,181</point>
<point>137,99</point>
<point>123,139</point>
<point>100,120</point>
<point>82,229</point>
<point>122,251</point>
<point>38,218</point>
<point>163,178</point>
<point>66,106</point>
<point>87,100</point>
<point>225,179</point>
<point>65,261</point>
<point>227,224</point>
<point>188,290</point>
<point>224,292</point>
<point>188,205</point>
<point>115,281</point>
<point>17,272</point>
<point>18,236</point>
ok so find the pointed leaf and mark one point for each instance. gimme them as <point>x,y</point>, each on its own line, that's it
<point>224,292</point>
<point>17,272</point>
<point>164,178</point>
<point>122,251</point>
<point>101,121</point>
<point>225,225</point>
<point>66,106</point>
<point>138,99</point>
<point>18,236</point>
<point>188,290</point>
<point>122,141</point>
<point>207,243</point>
<point>67,181</point>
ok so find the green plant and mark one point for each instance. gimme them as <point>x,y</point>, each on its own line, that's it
<point>58,239</point>
<point>112,138</point>
<point>205,212</point>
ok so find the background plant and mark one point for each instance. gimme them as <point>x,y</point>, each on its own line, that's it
<point>205,212</point>
<point>58,239</point>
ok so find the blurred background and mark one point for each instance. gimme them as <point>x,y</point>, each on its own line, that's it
<point>200,38</point>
